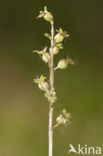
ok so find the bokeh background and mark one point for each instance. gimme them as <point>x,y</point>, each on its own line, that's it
<point>23,108</point>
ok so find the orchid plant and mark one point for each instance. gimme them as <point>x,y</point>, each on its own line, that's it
<point>47,55</point>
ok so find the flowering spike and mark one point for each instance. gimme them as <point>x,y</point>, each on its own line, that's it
<point>48,57</point>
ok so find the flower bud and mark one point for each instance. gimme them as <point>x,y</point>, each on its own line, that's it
<point>46,57</point>
<point>47,35</point>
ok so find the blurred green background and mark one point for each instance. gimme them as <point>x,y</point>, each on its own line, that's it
<point>23,108</point>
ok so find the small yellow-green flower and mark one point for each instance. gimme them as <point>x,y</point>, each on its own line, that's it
<point>63,118</point>
<point>51,96</point>
<point>56,48</point>
<point>59,37</point>
<point>63,63</point>
<point>45,55</point>
<point>46,15</point>
<point>42,84</point>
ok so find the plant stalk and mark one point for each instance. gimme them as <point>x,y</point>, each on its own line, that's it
<point>50,130</point>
